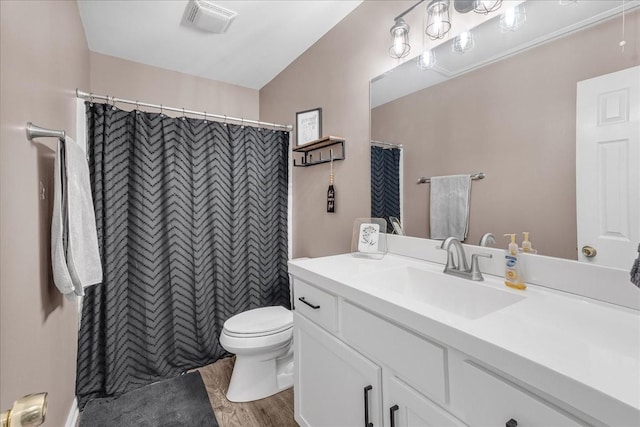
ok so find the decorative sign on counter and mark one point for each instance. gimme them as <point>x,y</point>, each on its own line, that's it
<point>369,238</point>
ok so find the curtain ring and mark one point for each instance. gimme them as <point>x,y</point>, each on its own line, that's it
<point>241,122</point>
<point>113,103</point>
<point>161,110</point>
<point>183,115</point>
<point>225,120</point>
<point>90,99</point>
<point>205,117</point>
<point>137,107</point>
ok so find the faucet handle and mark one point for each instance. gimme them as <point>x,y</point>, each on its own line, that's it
<point>475,268</point>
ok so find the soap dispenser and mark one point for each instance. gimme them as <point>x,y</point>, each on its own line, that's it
<point>526,244</point>
<point>512,276</point>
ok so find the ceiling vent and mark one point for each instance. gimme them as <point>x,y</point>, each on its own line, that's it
<point>207,16</point>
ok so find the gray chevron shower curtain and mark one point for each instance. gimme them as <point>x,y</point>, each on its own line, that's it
<point>192,227</point>
<point>385,183</point>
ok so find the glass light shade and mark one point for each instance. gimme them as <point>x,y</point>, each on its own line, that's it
<point>486,6</point>
<point>438,19</point>
<point>513,18</point>
<point>426,60</point>
<point>400,35</point>
<point>463,42</point>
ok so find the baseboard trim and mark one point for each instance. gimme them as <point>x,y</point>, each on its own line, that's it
<point>74,414</point>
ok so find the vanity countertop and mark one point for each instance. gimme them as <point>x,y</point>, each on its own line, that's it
<point>580,351</point>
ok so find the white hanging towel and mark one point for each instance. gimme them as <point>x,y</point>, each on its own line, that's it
<point>61,276</point>
<point>75,223</point>
<point>449,206</point>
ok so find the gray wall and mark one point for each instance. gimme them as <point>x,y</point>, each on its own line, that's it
<point>43,58</point>
<point>334,74</point>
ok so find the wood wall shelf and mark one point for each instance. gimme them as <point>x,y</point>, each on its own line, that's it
<point>320,151</point>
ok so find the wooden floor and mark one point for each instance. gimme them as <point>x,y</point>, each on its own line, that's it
<point>273,411</point>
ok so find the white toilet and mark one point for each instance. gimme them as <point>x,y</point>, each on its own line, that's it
<point>261,340</point>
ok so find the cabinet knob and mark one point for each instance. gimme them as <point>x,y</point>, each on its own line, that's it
<point>392,415</point>
<point>511,423</point>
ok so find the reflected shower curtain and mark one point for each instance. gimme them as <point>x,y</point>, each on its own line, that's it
<point>385,183</point>
<point>192,227</point>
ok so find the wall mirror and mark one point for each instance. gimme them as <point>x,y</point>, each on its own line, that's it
<point>508,108</point>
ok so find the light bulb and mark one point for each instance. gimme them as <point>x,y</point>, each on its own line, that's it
<point>426,60</point>
<point>463,42</point>
<point>513,18</point>
<point>398,43</point>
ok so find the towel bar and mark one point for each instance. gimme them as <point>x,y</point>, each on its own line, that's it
<point>475,176</point>
<point>35,131</point>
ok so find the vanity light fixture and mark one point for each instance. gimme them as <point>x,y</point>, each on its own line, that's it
<point>438,19</point>
<point>400,35</point>
<point>426,60</point>
<point>513,18</point>
<point>463,42</point>
<point>486,6</point>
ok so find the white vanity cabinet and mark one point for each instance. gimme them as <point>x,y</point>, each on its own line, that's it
<point>356,368</point>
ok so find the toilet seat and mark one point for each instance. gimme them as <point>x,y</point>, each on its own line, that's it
<point>259,322</point>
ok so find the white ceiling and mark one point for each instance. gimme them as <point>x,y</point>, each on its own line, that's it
<point>265,37</point>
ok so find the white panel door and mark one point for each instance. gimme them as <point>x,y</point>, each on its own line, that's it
<point>334,385</point>
<point>607,168</point>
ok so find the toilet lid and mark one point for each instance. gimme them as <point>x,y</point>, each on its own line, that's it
<point>259,322</point>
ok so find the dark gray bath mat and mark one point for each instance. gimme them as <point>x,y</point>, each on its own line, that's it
<point>180,401</point>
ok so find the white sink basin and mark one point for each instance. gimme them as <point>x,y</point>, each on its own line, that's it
<point>462,297</point>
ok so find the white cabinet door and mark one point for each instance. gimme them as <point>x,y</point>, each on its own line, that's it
<point>404,407</point>
<point>334,385</point>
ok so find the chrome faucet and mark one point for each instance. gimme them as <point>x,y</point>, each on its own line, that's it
<point>460,267</point>
<point>487,239</point>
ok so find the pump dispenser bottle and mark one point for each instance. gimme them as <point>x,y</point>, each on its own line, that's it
<point>512,276</point>
<point>526,244</point>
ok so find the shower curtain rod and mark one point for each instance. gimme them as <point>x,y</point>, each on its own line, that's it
<point>111,99</point>
<point>389,144</point>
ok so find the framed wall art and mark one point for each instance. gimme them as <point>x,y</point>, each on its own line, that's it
<point>308,126</point>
